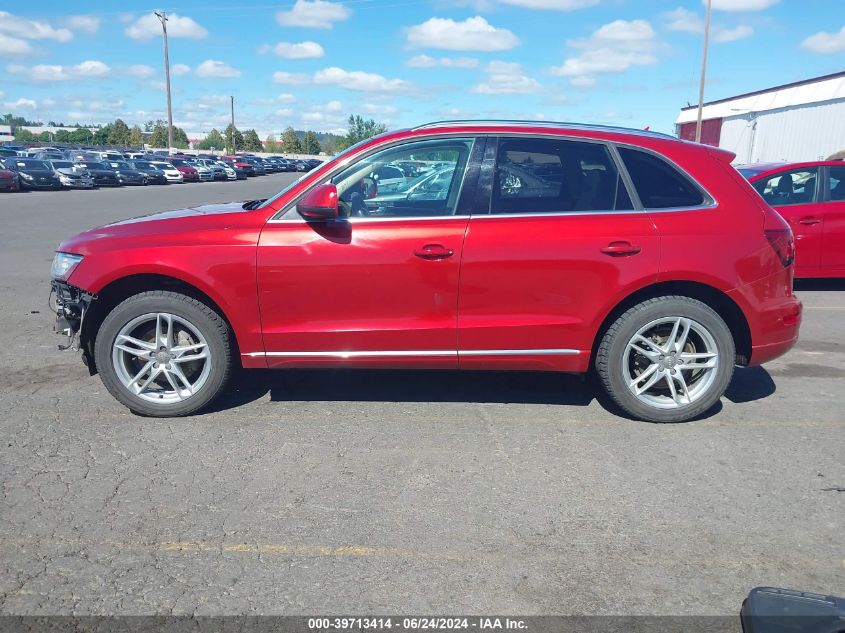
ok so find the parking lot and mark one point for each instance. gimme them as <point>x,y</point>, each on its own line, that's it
<point>387,492</point>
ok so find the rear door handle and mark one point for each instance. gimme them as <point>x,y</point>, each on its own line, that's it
<point>809,220</point>
<point>433,251</point>
<point>621,248</point>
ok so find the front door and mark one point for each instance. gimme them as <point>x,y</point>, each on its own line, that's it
<point>795,195</point>
<point>378,286</point>
<point>833,238</point>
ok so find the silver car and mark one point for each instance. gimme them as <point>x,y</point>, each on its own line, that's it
<point>72,176</point>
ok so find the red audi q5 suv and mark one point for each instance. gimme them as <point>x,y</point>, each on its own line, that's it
<point>504,245</point>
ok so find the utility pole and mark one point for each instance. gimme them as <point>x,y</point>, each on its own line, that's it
<point>163,17</point>
<point>232,98</point>
<point>703,72</point>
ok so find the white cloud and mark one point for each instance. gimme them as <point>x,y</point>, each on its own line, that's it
<point>56,72</point>
<point>473,34</point>
<point>294,79</point>
<point>285,97</point>
<point>613,48</point>
<point>553,5</point>
<point>300,50</point>
<point>687,21</point>
<point>148,27</point>
<point>826,43</point>
<point>141,71</point>
<point>426,61</point>
<point>360,81</point>
<point>15,26</point>
<point>740,32</point>
<point>318,14</point>
<point>741,5</point>
<point>332,107</point>
<point>284,112</point>
<point>20,103</point>
<point>211,68</point>
<point>380,109</point>
<point>180,69</point>
<point>684,20</point>
<point>13,46</point>
<point>506,78</point>
<point>86,23</point>
<point>214,99</point>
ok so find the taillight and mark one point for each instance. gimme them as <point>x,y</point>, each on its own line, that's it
<point>782,242</point>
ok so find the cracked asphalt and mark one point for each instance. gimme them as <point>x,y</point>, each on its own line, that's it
<point>388,492</point>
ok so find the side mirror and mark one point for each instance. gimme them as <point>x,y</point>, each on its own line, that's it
<point>319,204</point>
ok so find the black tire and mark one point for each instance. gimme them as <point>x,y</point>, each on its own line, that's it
<point>207,321</point>
<point>609,359</point>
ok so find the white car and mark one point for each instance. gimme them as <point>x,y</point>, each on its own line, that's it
<point>230,173</point>
<point>205,174</point>
<point>170,172</point>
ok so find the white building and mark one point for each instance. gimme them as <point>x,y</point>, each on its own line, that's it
<point>800,121</point>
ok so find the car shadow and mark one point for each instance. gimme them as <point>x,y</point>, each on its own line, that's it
<point>819,284</point>
<point>495,387</point>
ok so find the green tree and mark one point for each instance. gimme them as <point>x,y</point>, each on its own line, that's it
<point>101,136</point>
<point>251,141</point>
<point>271,145</point>
<point>119,133</point>
<point>45,137</point>
<point>180,138</point>
<point>214,139</point>
<point>136,137</point>
<point>360,129</point>
<point>158,138</point>
<point>64,136</point>
<point>238,139</point>
<point>290,142</point>
<point>81,136</point>
<point>310,143</point>
<point>25,135</point>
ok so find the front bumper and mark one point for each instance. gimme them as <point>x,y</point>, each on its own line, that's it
<point>71,305</point>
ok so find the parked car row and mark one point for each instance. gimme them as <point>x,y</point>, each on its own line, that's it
<point>55,168</point>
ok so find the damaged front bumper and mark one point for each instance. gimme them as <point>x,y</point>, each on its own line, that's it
<point>71,305</point>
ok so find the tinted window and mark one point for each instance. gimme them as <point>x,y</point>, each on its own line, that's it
<point>837,183</point>
<point>791,187</point>
<point>556,176</point>
<point>361,194</point>
<point>659,184</point>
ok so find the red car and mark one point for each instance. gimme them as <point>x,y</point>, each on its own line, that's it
<point>240,163</point>
<point>189,174</point>
<point>811,197</point>
<point>8,180</point>
<point>531,246</point>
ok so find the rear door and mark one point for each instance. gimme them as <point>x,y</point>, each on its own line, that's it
<point>833,238</point>
<point>795,193</point>
<point>559,241</point>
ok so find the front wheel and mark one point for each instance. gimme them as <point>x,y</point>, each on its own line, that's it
<point>667,359</point>
<point>163,354</point>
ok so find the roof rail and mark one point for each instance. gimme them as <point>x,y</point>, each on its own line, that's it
<point>556,124</point>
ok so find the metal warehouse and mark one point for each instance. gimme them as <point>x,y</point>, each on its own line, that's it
<point>800,121</point>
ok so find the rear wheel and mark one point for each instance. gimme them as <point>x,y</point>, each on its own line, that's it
<point>667,359</point>
<point>163,354</point>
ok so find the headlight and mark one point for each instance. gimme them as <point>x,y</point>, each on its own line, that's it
<point>26,176</point>
<point>63,265</point>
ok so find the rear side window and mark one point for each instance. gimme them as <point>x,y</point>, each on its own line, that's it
<point>556,176</point>
<point>837,184</point>
<point>659,184</point>
<point>792,187</point>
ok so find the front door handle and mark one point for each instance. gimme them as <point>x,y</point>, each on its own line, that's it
<point>621,248</point>
<point>433,251</point>
<point>809,220</point>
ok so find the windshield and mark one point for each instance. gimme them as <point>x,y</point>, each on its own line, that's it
<point>93,165</point>
<point>32,164</point>
<point>749,173</point>
<point>62,164</point>
<point>141,164</point>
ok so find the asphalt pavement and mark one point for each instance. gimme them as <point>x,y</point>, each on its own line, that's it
<point>360,492</point>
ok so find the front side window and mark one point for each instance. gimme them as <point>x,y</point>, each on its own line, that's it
<point>837,184</point>
<point>556,176</point>
<point>659,184</point>
<point>377,187</point>
<point>791,187</point>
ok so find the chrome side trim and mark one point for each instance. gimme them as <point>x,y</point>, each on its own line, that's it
<point>401,353</point>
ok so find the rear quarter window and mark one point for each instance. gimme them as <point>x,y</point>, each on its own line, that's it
<point>658,183</point>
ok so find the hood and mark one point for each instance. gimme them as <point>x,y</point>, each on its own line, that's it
<point>37,172</point>
<point>74,173</point>
<point>155,224</point>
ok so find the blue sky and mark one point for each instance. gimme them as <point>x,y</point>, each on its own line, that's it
<point>310,63</point>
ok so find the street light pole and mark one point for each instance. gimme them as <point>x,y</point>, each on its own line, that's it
<point>232,98</point>
<point>163,17</point>
<point>703,73</point>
